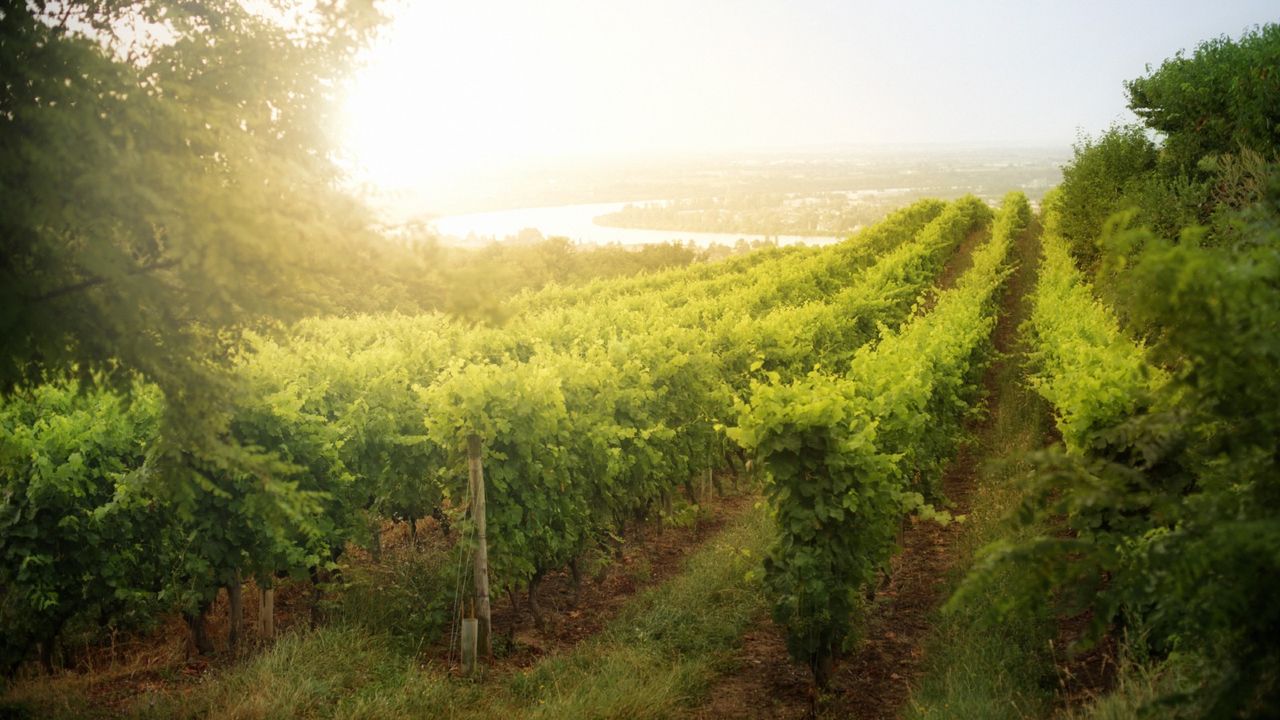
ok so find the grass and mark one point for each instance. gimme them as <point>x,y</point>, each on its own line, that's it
<point>658,655</point>
<point>978,669</point>
<point>1176,686</point>
<point>407,597</point>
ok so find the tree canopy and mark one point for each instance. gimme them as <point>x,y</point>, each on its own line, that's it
<point>167,178</point>
<point>1223,98</point>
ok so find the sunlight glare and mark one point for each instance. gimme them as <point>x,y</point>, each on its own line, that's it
<point>436,97</point>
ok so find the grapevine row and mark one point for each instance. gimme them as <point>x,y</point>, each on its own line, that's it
<point>1091,374</point>
<point>847,456</point>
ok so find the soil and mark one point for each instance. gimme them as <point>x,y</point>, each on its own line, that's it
<point>960,260</point>
<point>762,681</point>
<point>1083,675</point>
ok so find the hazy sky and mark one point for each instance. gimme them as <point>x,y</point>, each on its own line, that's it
<point>462,85</point>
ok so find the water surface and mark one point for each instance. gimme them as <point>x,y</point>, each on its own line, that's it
<point>576,222</point>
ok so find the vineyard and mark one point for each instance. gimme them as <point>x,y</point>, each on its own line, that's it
<point>588,417</point>
<point>975,460</point>
<point>592,412</point>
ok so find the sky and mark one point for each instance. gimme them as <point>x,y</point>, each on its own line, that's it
<point>453,87</point>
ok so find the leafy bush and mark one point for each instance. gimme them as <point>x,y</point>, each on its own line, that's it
<point>1215,120</point>
<point>1224,98</point>
<point>409,597</point>
<point>1104,177</point>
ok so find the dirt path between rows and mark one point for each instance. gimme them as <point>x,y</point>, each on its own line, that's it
<point>653,555</point>
<point>874,682</point>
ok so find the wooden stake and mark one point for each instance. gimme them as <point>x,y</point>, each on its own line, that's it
<point>267,612</point>
<point>470,627</point>
<point>484,643</point>
<point>236,612</point>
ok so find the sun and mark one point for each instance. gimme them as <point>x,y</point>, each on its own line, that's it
<point>428,104</point>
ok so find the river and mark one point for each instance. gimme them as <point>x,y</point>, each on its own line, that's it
<point>576,223</point>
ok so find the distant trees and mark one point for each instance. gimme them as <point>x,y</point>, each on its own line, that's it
<point>483,277</point>
<point>1107,174</point>
<point>821,214</point>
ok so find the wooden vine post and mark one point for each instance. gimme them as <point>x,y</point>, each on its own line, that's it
<point>235,603</point>
<point>481,569</point>
<point>469,627</point>
<point>267,612</point>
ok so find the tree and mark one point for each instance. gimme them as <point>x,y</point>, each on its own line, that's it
<point>167,179</point>
<point>1215,117</point>
<point>1223,98</point>
<point>1103,178</point>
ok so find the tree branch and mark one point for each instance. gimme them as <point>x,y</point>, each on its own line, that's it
<point>96,281</point>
